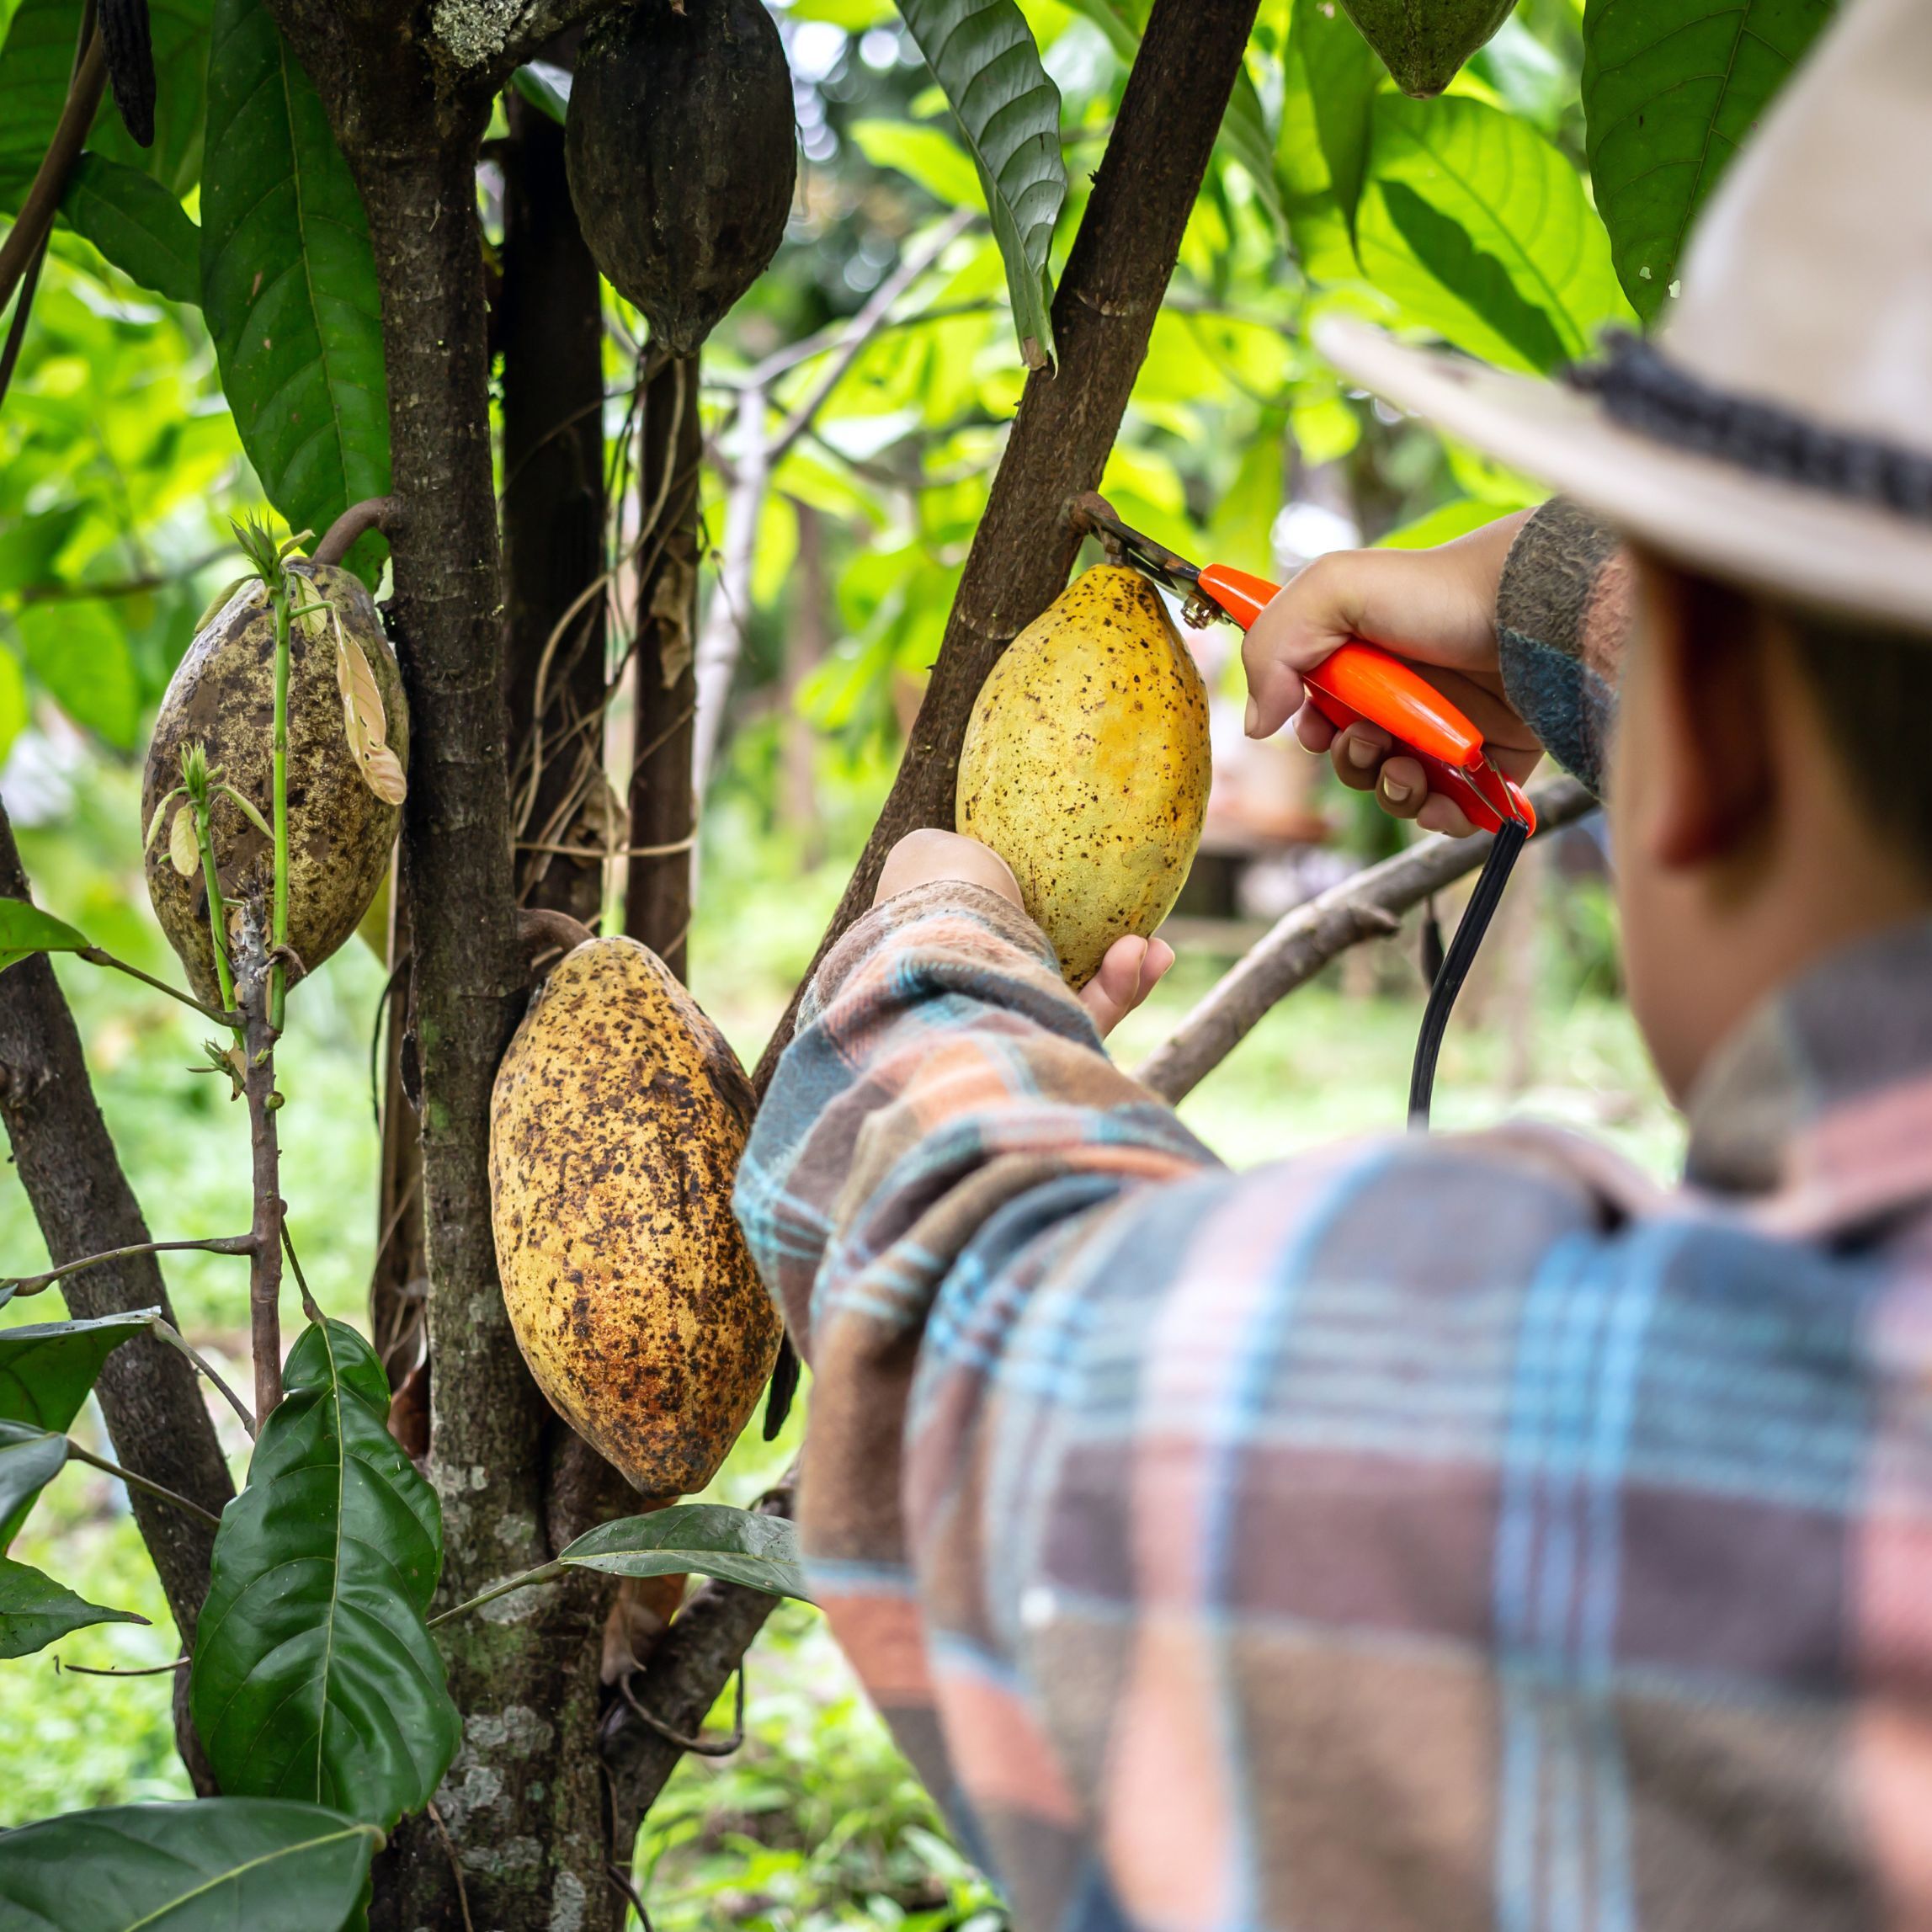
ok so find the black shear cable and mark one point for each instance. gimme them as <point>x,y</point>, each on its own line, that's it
<point>1456,964</point>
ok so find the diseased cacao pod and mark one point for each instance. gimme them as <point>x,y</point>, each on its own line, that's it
<point>1424,43</point>
<point>222,695</point>
<point>616,1125</point>
<point>682,155</point>
<point>1086,766</point>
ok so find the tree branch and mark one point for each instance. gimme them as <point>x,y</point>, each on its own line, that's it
<point>1103,316</point>
<point>35,219</point>
<point>1305,939</point>
<point>25,1285</point>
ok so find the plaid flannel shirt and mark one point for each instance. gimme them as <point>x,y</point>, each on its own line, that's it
<point>1450,1532</point>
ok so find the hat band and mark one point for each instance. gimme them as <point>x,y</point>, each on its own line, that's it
<point>1645,391</point>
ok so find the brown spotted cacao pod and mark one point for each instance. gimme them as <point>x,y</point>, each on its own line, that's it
<point>618,1118</point>
<point>682,154</point>
<point>1424,43</point>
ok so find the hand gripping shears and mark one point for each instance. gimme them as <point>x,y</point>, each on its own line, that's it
<point>1358,683</point>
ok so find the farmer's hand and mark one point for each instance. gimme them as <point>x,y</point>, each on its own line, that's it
<point>1436,607</point>
<point>1128,975</point>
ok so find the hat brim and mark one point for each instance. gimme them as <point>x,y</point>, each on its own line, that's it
<point>1810,547</point>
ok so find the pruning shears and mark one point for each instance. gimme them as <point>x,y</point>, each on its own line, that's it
<point>1359,683</point>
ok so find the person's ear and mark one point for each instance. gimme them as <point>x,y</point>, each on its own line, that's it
<point>1714,770</point>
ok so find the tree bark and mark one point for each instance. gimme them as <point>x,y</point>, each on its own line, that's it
<point>1104,312</point>
<point>156,1416</point>
<point>663,814</point>
<point>551,325</point>
<point>522,1804</point>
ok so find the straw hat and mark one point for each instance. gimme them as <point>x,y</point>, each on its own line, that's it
<point>1777,431</point>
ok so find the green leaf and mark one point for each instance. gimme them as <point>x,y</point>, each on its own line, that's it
<point>77,648</point>
<point>545,87</point>
<point>1672,89</point>
<point>923,155</point>
<point>1481,230</point>
<point>1121,25</point>
<point>30,1460</point>
<point>289,283</point>
<point>25,930</point>
<point>314,1676</point>
<point>47,1370</point>
<point>34,65</point>
<point>982,53</point>
<point>212,1865</point>
<point>35,1611</point>
<point>708,1538</point>
<point>137,225</point>
<point>1330,76</point>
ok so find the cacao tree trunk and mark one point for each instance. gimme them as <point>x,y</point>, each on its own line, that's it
<point>521,1841</point>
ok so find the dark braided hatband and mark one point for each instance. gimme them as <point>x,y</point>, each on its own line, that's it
<point>1646,392</point>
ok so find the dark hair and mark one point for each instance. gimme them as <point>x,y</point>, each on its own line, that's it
<point>1874,689</point>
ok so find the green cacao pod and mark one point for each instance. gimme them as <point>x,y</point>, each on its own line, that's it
<point>682,153</point>
<point>1424,43</point>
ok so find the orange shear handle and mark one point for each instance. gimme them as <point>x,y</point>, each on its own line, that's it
<point>1359,683</point>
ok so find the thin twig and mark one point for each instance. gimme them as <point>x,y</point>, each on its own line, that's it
<point>95,955</point>
<point>37,217</point>
<point>175,1339</point>
<point>22,1285</point>
<point>254,978</point>
<point>524,1580</point>
<point>17,330</point>
<point>455,1864</point>
<point>700,1746</point>
<point>97,1670</point>
<point>159,1491</point>
<point>618,1877</point>
<point>310,1306</point>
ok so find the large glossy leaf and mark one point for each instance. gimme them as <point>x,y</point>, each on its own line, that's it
<point>983,54</point>
<point>30,1460</point>
<point>704,1538</point>
<point>35,1611</point>
<point>47,1369</point>
<point>289,283</point>
<point>34,68</point>
<point>314,1676</point>
<point>1330,76</point>
<point>24,929</point>
<point>1671,89</point>
<point>1481,230</point>
<point>137,225</point>
<point>215,1865</point>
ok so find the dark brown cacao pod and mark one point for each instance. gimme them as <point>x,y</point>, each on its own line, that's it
<point>682,154</point>
<point>1424,42</point>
